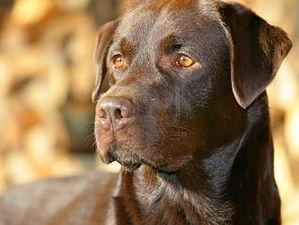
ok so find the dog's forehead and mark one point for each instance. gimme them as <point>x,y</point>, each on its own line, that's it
<point>170,17</point>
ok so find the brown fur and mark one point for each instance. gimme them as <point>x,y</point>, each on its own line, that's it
<point>195,143</point>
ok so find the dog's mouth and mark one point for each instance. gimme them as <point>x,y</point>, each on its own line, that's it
<point>123,156</point>
<point>133,161</point>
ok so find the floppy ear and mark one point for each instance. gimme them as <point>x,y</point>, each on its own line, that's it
<point>103,42</point>
<point>257,50</point>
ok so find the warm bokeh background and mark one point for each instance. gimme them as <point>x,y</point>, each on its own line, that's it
<point>46,77</point>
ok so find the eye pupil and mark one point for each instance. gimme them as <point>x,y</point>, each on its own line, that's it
<point>185,61</point>
<point>119,59</point>
<point>118,62</point>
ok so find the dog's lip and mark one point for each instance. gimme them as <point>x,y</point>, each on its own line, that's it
<point>130,166</point>
<point>125,157</point>
<point>162,169</point>
<point>132,160</point>
<point>135,165</point>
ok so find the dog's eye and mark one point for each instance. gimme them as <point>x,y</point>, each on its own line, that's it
<point>118,62</point>
<point>184,61</point>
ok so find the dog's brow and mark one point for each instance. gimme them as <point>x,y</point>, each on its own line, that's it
<point>124,46</point>
<point>127,47</point>
<point>170,43</point>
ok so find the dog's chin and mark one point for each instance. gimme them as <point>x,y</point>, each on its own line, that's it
<point>130,165</point>
<point>125,157</point>
<point>131,161</point>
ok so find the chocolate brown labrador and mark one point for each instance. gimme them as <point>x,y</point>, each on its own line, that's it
<point>185,114</point>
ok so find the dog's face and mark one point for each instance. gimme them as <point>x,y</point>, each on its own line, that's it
<point>174,91</point>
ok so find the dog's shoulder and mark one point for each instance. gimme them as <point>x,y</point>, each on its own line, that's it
<point>51,200</point>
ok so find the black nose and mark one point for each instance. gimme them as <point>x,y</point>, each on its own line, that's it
<point>115,111</point>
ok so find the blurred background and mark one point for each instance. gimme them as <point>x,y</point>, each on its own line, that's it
<point>46,78</point>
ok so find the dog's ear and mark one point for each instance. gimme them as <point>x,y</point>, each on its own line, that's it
<point>257,50</point>
<point>103,41</point>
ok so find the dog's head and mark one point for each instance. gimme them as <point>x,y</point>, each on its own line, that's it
<point>181,76</point>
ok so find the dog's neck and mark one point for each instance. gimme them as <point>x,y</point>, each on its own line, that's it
<point>197,192</point>
<point>194,195</point>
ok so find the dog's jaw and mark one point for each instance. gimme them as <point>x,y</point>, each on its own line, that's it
<point>200,197</point>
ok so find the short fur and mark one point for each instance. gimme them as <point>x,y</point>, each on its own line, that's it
<point>198,146</point>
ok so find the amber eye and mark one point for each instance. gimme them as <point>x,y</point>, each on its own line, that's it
<point>184,61</point>
<point>118,62</point>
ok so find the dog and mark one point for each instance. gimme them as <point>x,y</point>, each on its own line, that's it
<point>186,115</point>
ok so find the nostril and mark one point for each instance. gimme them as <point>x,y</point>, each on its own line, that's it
<point>102,114</point>
<point>115,111</point>
<point>118,114</point>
